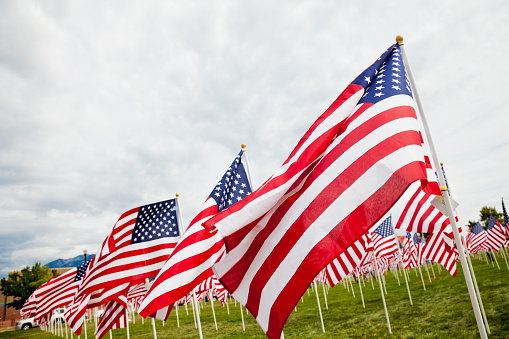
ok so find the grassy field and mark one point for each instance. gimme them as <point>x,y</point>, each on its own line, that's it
<point>442,311</point>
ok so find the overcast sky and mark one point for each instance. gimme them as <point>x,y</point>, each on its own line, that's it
<point>106,106</point>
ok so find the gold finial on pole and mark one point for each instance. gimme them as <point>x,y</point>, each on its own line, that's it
<point>399,39</point>
<point>441,164</point>
<point>177,195</point>
<point>243,146</point>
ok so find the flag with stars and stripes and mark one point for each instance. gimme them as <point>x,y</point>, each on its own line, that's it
<point>348,170</point>
<point>496,234</point>
<point>384,242</point>
<point>436,250</point>
<point>409,252</point>
<point>476,239</point>
<point>192,259</point>
<point>58,291</point>
<point>419,215</point>
<point>506,218</point>
<point>139,244</point>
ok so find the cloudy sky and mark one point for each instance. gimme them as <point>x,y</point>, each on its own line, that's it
<point>108,106</point>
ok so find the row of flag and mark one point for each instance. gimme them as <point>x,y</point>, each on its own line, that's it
<point>266,246</point>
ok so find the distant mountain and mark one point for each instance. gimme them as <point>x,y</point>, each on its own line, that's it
<point>72,262</point>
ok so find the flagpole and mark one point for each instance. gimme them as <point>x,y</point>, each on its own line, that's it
<point>445,195</point>
<point>383,297</point>
<point>212,304</point>
<point>325,297</point>
<point>177,313</point>
<point>246,161</point>
<point>127,322</point>
<point>319,308</point>
<point>242,316</point>
<point>362,296</point>
<point>471,268</point>
<point>403,264</point>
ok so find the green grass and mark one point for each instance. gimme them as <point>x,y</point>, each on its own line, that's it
<point>442,311</point>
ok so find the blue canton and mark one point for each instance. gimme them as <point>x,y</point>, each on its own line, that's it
<point>385,228</point>
<point>416,238</point>
<point>408,235</point>
<point>492,222</point>
<point>385,78</point>
<point>156,221</point>
<point>477,228</point>
<point>506,217</point>
<point>233,186</point>
<point>81,269</point>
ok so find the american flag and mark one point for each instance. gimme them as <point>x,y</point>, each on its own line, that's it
<point>139,244</point>
<point>347,171</point>
<point>409,252</point>
<point>59,291</point>
<point>477,238</point>
<point>384,242</point>
<point>419,215</point>
<point>347,261</point>
<point>436,250</point>
<point>192,259</point>
<point>113,317</point>
<point>76,311</point>
<point>506,217</point>
<point>30,306</point>
<point>496,234</point>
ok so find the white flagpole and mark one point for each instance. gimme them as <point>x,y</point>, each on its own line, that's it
<point>383,297</point>
<point>85,323</point>
<point>177,312</point>
<point>433,270</point>
<point>212,304</point>
<point>495,257</point>
<point>350,281</point>
<point>246,162</point>
<point>227,305</point>
<point>445,195</point>
<point>242,316</point>
<point>362,296</point>
<point>319,308</point>
<point>503,252</point>
<point>325,296</point>
<point>471,268</point>
<point>127,322</point>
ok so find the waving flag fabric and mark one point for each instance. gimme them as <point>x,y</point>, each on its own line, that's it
<point>192,259</point>
<point>477,238</point>
<point>347,261</point>
<point>384,242</point>
<point>436,250</point>
<point>496,234</point>
<point>139,244</point>
<point>29,307</point>
<point>409,252</point>
<point>351,166</point>
<point>58,291</point>
<point>113,317</point>
<point>419,215</point>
